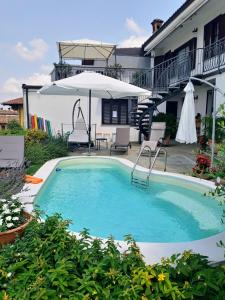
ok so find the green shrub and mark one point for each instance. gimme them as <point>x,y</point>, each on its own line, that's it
<point>171,123</point>
<point>13,128</point>
<point>36,153</point>
<point>36,136</point>
<point>49,263</point>
<point>219,130</point>
<point>56,147</point>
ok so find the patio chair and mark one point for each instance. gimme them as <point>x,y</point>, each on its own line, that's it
<point>79,135</point>
<point>157,134</point>
<point>122,141</point>
<point>11,151</point>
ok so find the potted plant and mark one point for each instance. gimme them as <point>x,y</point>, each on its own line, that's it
<point>171,126</point>
<point>13,219</point>
<point>219,130</point>
<point>202,166</point>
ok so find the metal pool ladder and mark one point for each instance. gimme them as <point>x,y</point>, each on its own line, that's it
<point>144,183</point>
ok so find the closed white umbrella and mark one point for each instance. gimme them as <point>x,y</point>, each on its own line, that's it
<point>186,132</point>
<point>93,84</point>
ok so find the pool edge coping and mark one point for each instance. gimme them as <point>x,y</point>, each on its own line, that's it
<point>153,252</point>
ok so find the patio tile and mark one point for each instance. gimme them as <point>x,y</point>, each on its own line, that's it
<point>180,158</point>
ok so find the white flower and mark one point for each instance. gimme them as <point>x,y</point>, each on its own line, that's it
<point>15,218</point>
<point>16,210</point>
<point>6,212</point>
<point>4,206</point>
<point>3,200</point>
<point>9,218</point>
<point>9,225</point>
<point>1,221</point>
<point>14,197</point>
<point>9,274</point>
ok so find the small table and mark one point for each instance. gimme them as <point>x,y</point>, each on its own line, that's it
<point>98,143</point>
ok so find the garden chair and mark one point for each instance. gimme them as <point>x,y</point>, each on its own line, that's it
<point>122,141</point>
<point>79,135</point>
<point>157,134</point>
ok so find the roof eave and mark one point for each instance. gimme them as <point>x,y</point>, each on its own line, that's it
<point>179,17</point>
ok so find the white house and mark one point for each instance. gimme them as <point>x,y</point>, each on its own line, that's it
<point>125,64</point>
<point>190,43</point>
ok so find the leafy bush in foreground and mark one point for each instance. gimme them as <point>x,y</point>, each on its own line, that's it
<point>49,263</point>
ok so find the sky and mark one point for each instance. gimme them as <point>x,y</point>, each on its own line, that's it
<point>29,30</point>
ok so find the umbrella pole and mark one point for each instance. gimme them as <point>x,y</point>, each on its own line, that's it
<point>89,125</point>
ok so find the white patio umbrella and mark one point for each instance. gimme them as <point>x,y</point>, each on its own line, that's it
<point>93,84</point>
<point>85,49</point>
<point>186,132</point>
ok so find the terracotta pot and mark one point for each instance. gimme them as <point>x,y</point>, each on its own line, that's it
<point>9,236</point>
<point>166,141</point>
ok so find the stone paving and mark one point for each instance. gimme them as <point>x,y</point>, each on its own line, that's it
<point>180,158</point>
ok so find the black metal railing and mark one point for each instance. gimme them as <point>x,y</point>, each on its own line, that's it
<point>163,76</point>
<point>179,68</point>
<point>125,74</point>
<point>214,56</point>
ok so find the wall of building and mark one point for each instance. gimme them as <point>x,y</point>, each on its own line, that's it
<point>200,101</point>
<point>184,33</point>
<point>58,110</point>
<point>126,61</point>
<point>220,83</point>
<point>7,116</point>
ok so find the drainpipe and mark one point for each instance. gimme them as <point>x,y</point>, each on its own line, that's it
<point>216,89</point>
<point>24,87</point>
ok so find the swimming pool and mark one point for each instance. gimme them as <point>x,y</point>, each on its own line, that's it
<point>96,193</point>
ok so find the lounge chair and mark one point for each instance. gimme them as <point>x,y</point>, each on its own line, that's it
<point>11,151</point>
<point>122,141</point>
<point>157,134</point>
<point>79,135</point>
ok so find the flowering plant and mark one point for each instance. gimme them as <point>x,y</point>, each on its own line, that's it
<point>11,213</point>
<point>202,164</point>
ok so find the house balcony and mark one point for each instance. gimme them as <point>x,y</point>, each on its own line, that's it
<point>169,74</point>
<point>128,75</point>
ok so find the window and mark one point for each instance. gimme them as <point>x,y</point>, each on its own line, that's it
<point>209,103</point>
<point>87,62</point>
<point>171,108</point>
<point>115,111</point>
<point>214,30</point>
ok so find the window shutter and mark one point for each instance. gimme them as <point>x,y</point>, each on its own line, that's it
<point>222,26</point>
<point>123,113</point>
<point>106,112</point>
<point>207,34</point>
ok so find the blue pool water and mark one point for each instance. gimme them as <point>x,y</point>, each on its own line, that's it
<point>96,194</point>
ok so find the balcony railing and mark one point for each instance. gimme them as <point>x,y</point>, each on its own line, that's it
<point>163,76</point>
<point>125,74</point>
<point>173,71</point>
<point>214,56</point>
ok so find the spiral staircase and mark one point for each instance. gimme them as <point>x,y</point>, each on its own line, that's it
<point>165,81</point>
